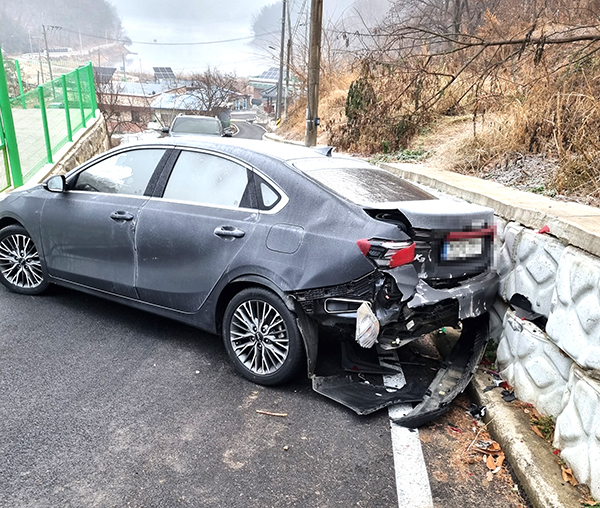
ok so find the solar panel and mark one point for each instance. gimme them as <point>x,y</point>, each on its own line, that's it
<point>163,73</point>
<point>103,74</point>
<point>272,73</point>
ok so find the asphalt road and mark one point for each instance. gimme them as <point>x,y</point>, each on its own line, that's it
<point>103,405</point>
<point>246,129</point>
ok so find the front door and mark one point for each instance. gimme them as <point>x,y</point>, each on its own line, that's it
<point>88,232</point>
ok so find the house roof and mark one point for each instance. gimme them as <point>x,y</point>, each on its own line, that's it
<point>144,89</point>
<point>181,102</point>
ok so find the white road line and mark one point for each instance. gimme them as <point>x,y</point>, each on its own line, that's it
<point>412,480</point>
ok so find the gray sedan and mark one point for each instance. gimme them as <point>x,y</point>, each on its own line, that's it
<point>267,245</point>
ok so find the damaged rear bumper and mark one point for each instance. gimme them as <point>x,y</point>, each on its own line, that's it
<point>405,310</point>
<point>433,397</point>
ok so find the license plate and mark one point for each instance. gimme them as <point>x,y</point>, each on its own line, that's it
<point>456,250</point>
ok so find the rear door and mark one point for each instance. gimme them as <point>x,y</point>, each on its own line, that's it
<point>189,236</point>
<point>88,232</point>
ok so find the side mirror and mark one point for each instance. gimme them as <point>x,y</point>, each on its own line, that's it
<point>56,184</point>
<point>165,130</point>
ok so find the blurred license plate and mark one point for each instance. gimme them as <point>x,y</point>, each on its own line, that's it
<point>455,250</point>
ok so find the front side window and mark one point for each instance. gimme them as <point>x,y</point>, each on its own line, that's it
<point>209,180</point>
<point>122,173</point>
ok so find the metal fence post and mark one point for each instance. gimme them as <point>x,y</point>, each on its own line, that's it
<point>80,96</point>
<point>9,129</point>
<point>45,123</point>
<point>93,100</point>
<point>18,67</point>
<point>5,158</point>
<point>63,80</point>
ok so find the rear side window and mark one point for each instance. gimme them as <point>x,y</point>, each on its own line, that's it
<point>209,180</point>
<point>268,197</point>
<point>122,173</point>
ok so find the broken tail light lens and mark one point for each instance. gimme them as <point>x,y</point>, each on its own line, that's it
<point>388,254</point>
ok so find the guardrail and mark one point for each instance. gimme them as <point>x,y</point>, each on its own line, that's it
<point>38,123</point>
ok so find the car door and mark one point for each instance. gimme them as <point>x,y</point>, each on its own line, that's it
<point>88,231</point>
<point>187,238</point>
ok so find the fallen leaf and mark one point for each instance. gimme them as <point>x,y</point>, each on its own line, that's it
<point>567,475</point>
<point>537,431</point>
<point>495,463</point>
<point>500,460</point>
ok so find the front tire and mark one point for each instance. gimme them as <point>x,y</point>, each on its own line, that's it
<point>21,268</point>
<point>261,337</point>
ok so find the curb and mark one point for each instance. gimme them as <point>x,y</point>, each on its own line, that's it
<point>530,456</point>
<point>270,136</point>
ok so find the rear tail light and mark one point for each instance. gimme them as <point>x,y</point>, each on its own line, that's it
<point>474,233</point>
<point>388,254</point>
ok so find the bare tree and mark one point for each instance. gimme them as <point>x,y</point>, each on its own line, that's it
<point>213,90</point>
<point>122,112</point>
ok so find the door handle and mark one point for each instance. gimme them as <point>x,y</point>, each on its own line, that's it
<point>229,232</point>
<point>121,215</point>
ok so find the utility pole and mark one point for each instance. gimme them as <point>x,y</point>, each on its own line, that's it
<point>287,65</point>
<point>314,67</point>
<point>287,76</point>
<point>47,52</point>
<point>281,54</point>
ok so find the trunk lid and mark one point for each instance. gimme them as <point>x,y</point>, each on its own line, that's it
<point>454,240</point>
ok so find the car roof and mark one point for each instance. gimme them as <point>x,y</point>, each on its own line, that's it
<point>280,151</point>
<point>203,117</point>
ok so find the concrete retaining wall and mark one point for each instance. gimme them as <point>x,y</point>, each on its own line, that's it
<point>556,369</point>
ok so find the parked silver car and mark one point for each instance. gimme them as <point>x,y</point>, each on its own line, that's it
<point>185,125</point>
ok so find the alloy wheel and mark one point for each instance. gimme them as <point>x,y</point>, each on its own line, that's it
<point>20,262</point>
<point>259,337</point>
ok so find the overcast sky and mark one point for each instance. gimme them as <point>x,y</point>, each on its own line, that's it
<point>172,21</point>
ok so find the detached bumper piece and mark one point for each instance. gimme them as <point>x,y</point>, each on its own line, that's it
<point>454,376</point>
<point>362,397</point>
<point>431,385</point>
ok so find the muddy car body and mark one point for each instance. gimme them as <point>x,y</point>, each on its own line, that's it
<point>264,243</point>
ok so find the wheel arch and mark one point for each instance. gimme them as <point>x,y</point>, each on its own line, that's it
<point>307,327</point>
<point>239,284</point>
<point>9,221</point>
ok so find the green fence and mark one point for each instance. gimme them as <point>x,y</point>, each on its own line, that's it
<point>4,168</point>
<point>45,119</point>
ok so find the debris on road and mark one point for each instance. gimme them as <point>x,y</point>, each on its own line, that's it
<point>269,413</point>
<point>508,395</point>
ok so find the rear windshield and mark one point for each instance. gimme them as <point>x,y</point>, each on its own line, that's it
<point>196,126</point>
<point>360,182</point>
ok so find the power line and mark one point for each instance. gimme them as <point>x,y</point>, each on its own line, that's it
<point>127,41</point>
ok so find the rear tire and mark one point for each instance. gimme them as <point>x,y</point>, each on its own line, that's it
<point>262,338</point>
<point>21,267</point>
